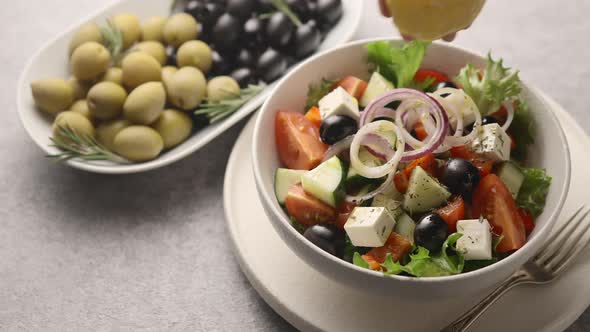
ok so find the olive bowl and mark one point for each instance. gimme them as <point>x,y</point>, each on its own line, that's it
<point>51,61</point>
<point>550,151</point>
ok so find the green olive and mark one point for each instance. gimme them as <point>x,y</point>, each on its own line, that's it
<point>139,68</point>
<point>145,103</point>
<point>130,28</point>
<point>195,53</point>
<point>167,73</point>
<point>113,74</point>
<point>174,127</point>
<point>87,32</point>
<point>89,61</point>
<point>153,48</point>
<point>74,121</point>
<point>80,88</point>
<point>153,29</point>
<point>106,132</point>
<point>138,143</point>
<point>222,87</point>
<point>81,106</point>
<point>186,88</point>
<point>180,28</point>
<point>105,100</point>
<point>52,95</point>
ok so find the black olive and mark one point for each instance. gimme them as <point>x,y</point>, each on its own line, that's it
<point>246,58</point>
<point>336,127</point>
<point>241,8</point>
<point>328,12</point>
<point>214,11</point>
<point>197,9</point>
<point>265,6</point>
<point>199,120</point>
<point>306,40</point>
<point>445,84</point>
<point>431,232</point>
<point>271,64</point>
<point>226,32</point>
<point>244,76</point>
<point>278,30</point>
<point>460,176</point>
<point>221,65</point>
<point>328,238</point>
<point>254,32</point>
<point>300,8</point>
<point>485,120</point>
<point>170,55</point>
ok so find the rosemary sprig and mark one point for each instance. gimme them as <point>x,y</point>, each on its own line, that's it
<point>113,38</point>
<point>283,7</point>
<point>217,109</point>
<point>84,147</point>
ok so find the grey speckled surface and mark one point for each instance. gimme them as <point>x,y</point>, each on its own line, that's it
<point>81,251</point>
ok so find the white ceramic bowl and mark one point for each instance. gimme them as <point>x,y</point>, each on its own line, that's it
<point>550,151</point>
<point>51,61</point>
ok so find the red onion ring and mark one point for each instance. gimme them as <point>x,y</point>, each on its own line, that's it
<point>338,147</point>
<point>383,187</point>
<point>510,110</point>
<point>407,96</point>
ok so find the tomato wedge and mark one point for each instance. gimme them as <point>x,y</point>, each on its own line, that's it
<point>344,211</point>
<point>353,85</point>
<point>307,209</point>
<point>396,245</point>
<point>424,74</point>
<point>298,141</point>
<point>483,165</point>
<point>492,200</point>
<point>527,219</point>
<point>420,131</point>
<point>313,114</point>
<point>453,212</point>
<point>427,162</point>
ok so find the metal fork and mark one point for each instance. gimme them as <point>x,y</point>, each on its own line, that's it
<point>568,242</point>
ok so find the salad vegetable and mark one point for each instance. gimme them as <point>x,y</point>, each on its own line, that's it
<point>409,174</point>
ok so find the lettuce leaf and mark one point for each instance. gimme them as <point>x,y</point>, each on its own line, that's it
<point>422,264</point>
<point>492,87</point>
<point>522,129</point>
<point>534,189</point>
<point>398,65</point>
<point>315,92</point>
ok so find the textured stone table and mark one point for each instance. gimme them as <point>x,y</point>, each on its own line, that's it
<point>149,252</point>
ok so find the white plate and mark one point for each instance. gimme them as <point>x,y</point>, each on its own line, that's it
<point>51,61</point>
<point>310,301</point>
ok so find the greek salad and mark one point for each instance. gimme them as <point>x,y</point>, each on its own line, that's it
<point>411,171</point>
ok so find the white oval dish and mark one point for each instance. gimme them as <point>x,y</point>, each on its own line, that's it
<point>51,61</point>
<point>550,151</point>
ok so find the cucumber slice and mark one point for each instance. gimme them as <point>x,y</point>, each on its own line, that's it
<point>405,226</point>
<point>424,192</point>
<point>390,201</point>
<point>378,85</point>
<point>354,179</point>
<point>512,177</point>
<point>284,179</point>
<point>326,181</point>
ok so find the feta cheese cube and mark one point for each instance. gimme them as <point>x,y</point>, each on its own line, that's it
<point>339,102</point>
<point>492,142</point>
<point>369,226</point>
<point>476,242</point>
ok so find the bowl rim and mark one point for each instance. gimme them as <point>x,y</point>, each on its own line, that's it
<point>270,200</point>
<point>169,156</point>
